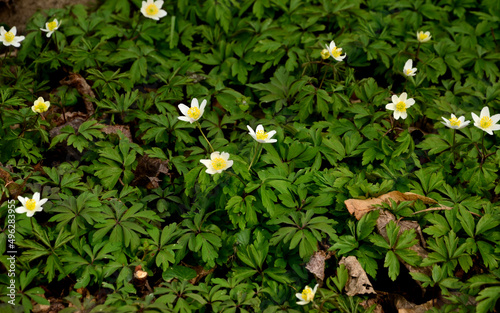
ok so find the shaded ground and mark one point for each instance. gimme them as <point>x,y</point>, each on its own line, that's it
<point>18,12</point>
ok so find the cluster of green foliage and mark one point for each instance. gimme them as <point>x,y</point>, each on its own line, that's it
<point>256,62</point>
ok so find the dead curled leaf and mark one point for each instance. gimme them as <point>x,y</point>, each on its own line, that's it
<point>358,282</point>
<point>77,81</point>
<point>316,264</point>
<point>361,207</point>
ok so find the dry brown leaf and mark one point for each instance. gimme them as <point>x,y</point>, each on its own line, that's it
<point>77,81</point>
<point>316,264</point>
<point>361,207</point>
<point>147,172</point>
<point>115,128</point>
<point>405,306</point>
<point>358,282</point>
<point>369,302</point>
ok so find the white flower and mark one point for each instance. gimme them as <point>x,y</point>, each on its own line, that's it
<point>399,105</point>
<point>9,38</point>
<point>335,52</point>
<point>152,9</point>
<point>194,113</point>
<point>51,27</point>
<point>40,106</point>
<point>219,161</point>
<point>408,70</point>
<point>260,135</point>
<point>485,122</point>
<point>423,37</point>
<point>30,206</point>
<point>454,122</point>
<point>307,295</point>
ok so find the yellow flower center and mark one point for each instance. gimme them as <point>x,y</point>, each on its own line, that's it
<point>325,54</point>
<point>401,106</point>
<point>408,71</point>
<point>41,107</point>
<point>9,36</point>
<point>261,135</point>
<point>30,204</point>
<point>219,164</point>
<point>485,122</point>
<point>152,9</point>
<point>422,36</point>
<point>194,113</point>
<point>307,294</point>
<point>52,25</point>
<point>454,121</point>
<point>336,52</point>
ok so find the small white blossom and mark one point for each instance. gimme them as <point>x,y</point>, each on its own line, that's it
<point>260,135</point>
<point>152,9</point>
<point>218,162</point>
<point>40,106</point>
<point>307,295</point>
<point>423,37</point>
<point>30,206</point>
<point>454,122</point>
<point>194,113</point>
<point>408,70</point>
<point>51,27</point>
<point>9,38</point>
<point>335,52</point>
<point>399,105</point>
<point>485,122</point>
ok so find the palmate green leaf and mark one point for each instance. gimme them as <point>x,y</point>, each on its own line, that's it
<point>366,225</point>
<point>345,244</point>
<point>486,223</point>
<point>487,299</point>
<point>490,258</point>
<point>467,221</point>
<point>391,261</point>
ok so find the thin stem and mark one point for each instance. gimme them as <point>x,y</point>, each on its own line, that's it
<point>231,174</point>
<point>418,50</point>
<point>324,75</point>
<point>453,147</point>
<point>259,145</point>
<point>199,126</point>
<point>483,157</point>
<point>5,56</point>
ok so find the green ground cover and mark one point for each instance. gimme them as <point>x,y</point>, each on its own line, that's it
<point>135,175</point>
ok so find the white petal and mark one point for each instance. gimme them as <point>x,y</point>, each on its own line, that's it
<point>397,115</point>
<point>159,3</point>
<point>404,115</point>
<point>22,200</point>
<point>390,106</point>
<point>271,140</point>
<point>409,102</point>
<point>211,171</point>
<point>250,131</point>
<point>30,213</point>
<point>36,196</point>
<point>408,64</point>
<point>395,99</point>
<point>183,108</point>
<point>42,202</point>
<point>186,119</point>
<point>215,154</point>
<point>495,118</point>
<point>271,133</point>
<point>3,31</point>
<point>206,162</point>
<point>475,118</point>
<point>225,156</point>
<point>161,13</point>
<point>259,128</point>
<point>194,103</point>
<point>13,30</point>
<point>21,210</point>
<point>485,112</point>
<point>302,302</point>
<point>229,164</point>
<point>403,97</point>
<point>202,107</point>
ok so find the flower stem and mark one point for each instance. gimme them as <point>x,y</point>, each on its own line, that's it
<point>453,147</point>
<point>418,50</point>
<point>199,126</point>
<point>483,157</point>
<point>258,147</point>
